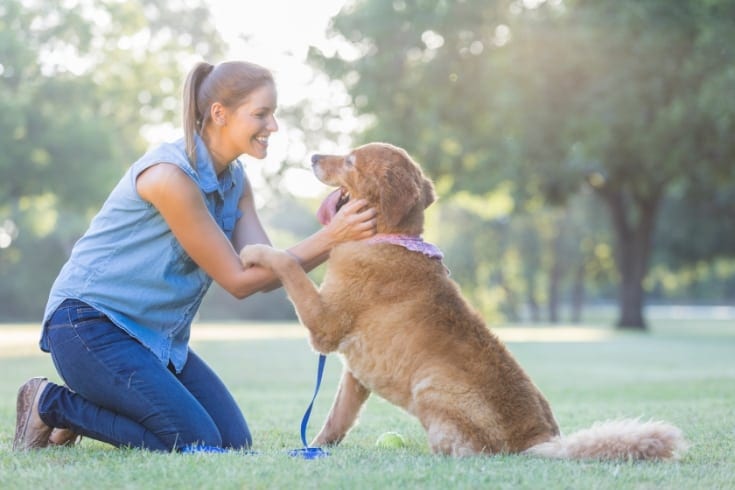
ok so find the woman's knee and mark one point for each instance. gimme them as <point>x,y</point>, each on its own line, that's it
<point>203,439</point>
<point>201,433</point>
<point>240,439</point>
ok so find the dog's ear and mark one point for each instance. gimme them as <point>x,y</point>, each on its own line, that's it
<point>428,193</point>
<point>399,194</point>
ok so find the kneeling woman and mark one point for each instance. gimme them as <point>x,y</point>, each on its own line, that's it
<point>119,314</point>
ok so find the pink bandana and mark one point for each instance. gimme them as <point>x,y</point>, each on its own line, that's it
<point>414,243</point>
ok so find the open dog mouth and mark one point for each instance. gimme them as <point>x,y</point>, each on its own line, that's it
<point>332,204</point>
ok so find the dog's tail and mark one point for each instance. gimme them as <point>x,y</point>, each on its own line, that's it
<point>627,439</point>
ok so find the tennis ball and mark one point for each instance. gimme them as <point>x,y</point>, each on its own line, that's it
<point>391,440</point>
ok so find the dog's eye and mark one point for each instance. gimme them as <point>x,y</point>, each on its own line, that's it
<point>350,160</point>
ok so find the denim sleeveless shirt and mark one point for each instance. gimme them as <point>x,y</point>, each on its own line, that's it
<point>129,265</point>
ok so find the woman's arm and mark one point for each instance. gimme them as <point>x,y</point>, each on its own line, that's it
<point>248,228</point>
<point>352,223</point>
<point>180,202</point>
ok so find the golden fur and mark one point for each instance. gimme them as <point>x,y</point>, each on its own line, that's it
<point>406,333</point>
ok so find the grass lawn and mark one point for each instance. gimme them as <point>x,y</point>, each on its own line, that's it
<point>682,372</point>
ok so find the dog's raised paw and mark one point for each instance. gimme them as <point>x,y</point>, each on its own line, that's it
<point>256,254</point>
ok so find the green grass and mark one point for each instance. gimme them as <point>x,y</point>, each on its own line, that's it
<point>683,372</point>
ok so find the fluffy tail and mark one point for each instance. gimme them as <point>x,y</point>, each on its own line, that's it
<point>617,439</point>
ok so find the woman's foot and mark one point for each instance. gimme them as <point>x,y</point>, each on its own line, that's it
<point>30,431</point>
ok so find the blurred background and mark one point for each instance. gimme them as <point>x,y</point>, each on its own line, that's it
<point>582,150</point>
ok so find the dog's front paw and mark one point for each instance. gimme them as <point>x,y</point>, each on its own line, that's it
<point>257,254</point>
<point>324,440</point>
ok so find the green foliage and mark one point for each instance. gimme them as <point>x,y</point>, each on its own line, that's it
<point>79,89</point>
<point>631,99</point>
<point>525,265</point>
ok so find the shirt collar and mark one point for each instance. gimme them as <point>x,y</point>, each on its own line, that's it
<point>208,179</point>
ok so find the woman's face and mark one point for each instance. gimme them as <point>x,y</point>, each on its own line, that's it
<point>250,124</point>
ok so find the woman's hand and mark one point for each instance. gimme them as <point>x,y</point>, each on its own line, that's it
<point>354,221</point>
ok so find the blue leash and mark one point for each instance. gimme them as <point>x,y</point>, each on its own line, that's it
<point>307,452</point>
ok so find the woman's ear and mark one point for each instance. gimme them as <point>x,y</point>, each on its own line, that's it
<point>218,113</point>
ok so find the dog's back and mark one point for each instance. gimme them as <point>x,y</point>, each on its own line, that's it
<point>416,342</point>
<point>407,333</point>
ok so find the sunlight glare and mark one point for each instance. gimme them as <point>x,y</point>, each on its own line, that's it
<point>278,35</point>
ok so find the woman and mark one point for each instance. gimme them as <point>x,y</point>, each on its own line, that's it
<point>119,314</point>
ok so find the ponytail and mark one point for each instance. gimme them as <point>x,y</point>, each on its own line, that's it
<point>229,83</point>
<point>193,119</point>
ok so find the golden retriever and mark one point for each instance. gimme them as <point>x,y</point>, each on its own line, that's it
<point>405,332</point>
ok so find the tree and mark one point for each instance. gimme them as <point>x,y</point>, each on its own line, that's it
<point>534,258</point>
<point>629,98</point>
<point>79,89</point>
<point>642,76</point>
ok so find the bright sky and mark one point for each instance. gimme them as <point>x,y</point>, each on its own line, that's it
<point>279,35</point>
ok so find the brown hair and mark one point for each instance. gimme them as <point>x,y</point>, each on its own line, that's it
<point>228,83</point>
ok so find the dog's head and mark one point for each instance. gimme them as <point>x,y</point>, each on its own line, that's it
<point>387,178</point>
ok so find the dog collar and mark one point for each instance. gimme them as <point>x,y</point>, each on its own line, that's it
<point>413,243</point>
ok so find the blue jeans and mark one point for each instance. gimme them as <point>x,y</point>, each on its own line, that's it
<point>120,393</point>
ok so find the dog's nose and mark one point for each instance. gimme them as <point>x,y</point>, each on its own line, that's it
<point>315,159</point>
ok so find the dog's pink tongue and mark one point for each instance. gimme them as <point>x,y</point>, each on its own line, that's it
<point>329,207</point>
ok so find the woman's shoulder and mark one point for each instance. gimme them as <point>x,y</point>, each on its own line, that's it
<point>169,152</point>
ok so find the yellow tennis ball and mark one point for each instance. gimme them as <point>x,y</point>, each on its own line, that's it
<point>391,440</point>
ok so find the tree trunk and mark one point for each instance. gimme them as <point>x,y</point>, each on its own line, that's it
<point>556,272</point>
<point>578,293</point>
<point>533,307</point>
<point>554,296</point>
<point>510,306</point>
<point>633,222</point>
